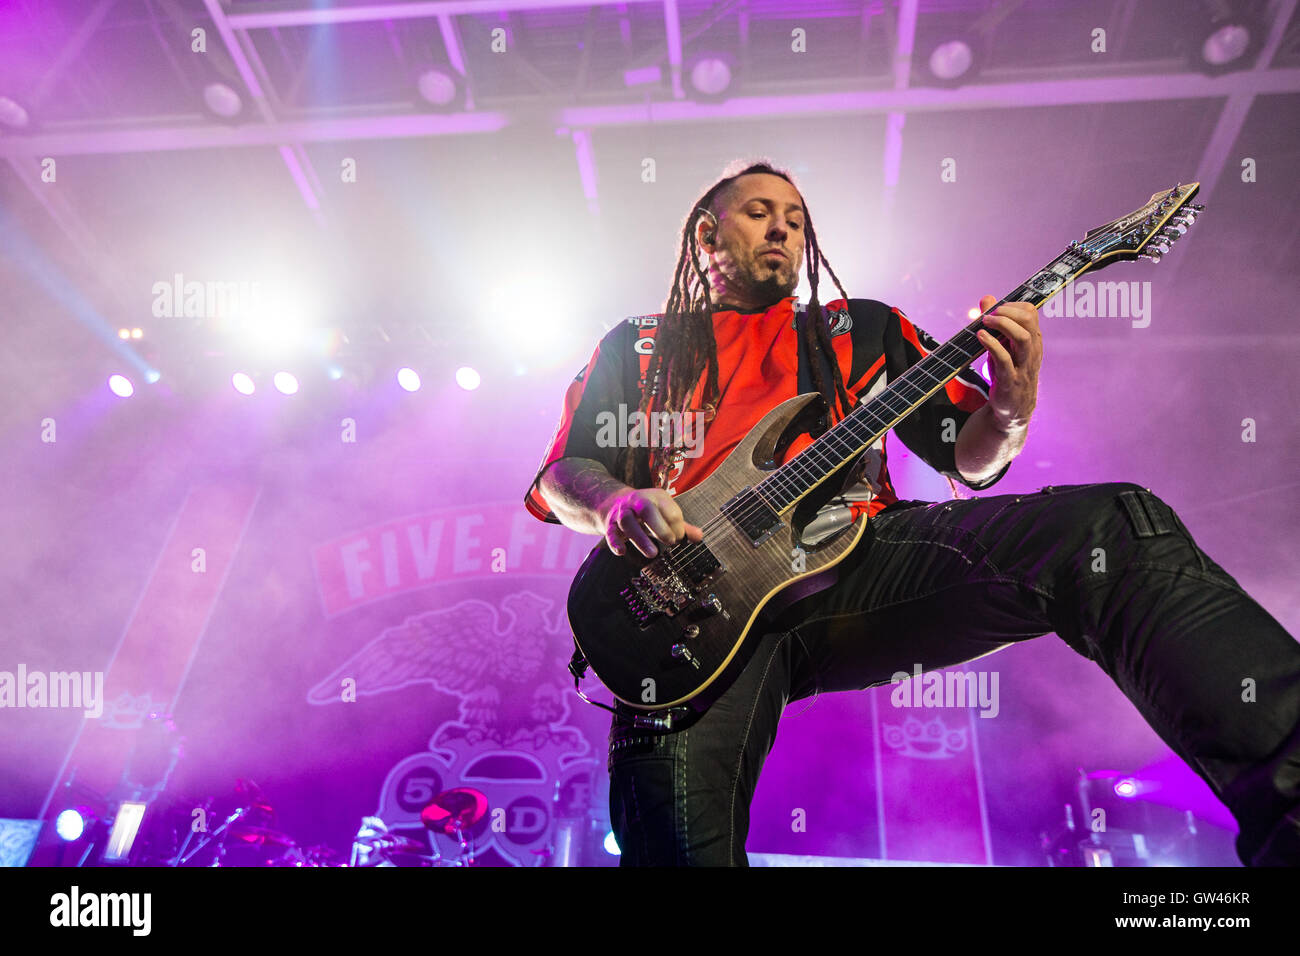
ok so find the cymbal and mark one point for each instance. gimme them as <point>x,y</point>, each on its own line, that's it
<point>261,836</point>
<point>459,807</point>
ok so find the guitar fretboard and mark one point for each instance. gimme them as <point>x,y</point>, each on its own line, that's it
<point>869,420</point>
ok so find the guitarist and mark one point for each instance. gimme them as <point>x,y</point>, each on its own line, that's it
<point>664,398</point>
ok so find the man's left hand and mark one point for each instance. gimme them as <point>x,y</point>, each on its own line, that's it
<point>1014,366</point>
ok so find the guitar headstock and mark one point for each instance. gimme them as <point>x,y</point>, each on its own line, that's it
<point>1145,233</point>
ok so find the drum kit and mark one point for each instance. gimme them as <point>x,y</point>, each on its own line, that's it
<point>248,836</point>
<point>452,813</point>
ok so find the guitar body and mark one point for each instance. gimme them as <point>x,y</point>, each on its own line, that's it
<point>629,636</point>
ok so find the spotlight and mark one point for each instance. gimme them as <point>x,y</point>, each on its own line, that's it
<point>12,114</point>
<point>441,89</point>
<point>1126,788</point>
<point>123,333</point>
<point>467,378</point>
<point>972,313</point>
<point>73,822</point>
<point>611,844</point>
<point>285,382</point>
<point>409,379</point>
<point>710,76</point>
<point>1228,44</point>
<point>137,333</point>
<point>243,383</point>
<point>951,62</point>
<point>126,825</point>
<point>121,386</point>
<point>222,101</point>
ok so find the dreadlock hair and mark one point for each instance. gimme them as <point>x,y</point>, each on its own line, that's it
<point>684,343</point>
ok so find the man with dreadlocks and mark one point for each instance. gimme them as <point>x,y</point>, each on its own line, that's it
<point>939,584</point>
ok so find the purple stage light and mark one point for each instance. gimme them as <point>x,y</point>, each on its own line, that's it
<point>1225,44</point>
<point>1228,44</point>
<point>438,88</point>
<point>243,383</point>
<point>286,382</point>
<point>409,379</point>
<point>710,76</point>
<point>951,60</point>
<point>121,386</point>
<point>222,100</point>
<point>1126,788</point>
<point>467,378</point>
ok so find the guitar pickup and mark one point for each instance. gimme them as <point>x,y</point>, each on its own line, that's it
<point>752,516</point>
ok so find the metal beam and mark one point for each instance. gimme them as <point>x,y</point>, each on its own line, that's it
<point>369,13</point>
<point>673,35</point>
<point>904,41</point>
<point>1233,115</point>
<point>456,56</point>
<point>71,50</point>
<point>1115,89</point>
<point>1238,105</point>
<point>293,155</point>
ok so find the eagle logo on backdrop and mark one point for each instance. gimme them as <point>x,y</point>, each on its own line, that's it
<point>510,738</point>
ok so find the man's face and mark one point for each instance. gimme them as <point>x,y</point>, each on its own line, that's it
<point>758,248</point>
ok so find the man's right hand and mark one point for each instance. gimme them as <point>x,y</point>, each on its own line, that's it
<point>641,515</point>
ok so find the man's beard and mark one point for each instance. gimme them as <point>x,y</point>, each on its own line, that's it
<point>770,286</point>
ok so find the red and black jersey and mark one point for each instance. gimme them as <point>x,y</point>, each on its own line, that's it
<point>762,360</point>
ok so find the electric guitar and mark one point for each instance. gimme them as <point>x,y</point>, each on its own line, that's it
<point>669,631</point>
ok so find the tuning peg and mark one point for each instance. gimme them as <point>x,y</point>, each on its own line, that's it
<point>1149,256</point>
<point>1196,207</point>
<point>1173,230</point>
<point>1159,246</point>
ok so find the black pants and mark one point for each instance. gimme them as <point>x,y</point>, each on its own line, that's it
<point>1110,568</point>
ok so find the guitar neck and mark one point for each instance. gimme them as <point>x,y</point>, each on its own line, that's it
<point>867,422</point>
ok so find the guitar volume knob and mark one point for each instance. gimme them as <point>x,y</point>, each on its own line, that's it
<point>683,653</point>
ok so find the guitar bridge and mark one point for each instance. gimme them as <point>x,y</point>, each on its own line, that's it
<point>669,584</point>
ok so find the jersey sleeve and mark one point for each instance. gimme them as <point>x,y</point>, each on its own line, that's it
<point>601,386</point>
<point>931,431</point>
